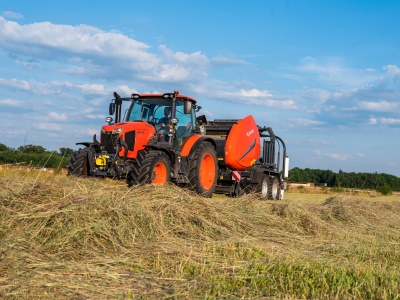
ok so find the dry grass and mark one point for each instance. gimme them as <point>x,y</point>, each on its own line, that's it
<point>69,238</point>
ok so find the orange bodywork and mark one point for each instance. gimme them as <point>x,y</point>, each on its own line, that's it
<point>140,131</point>
<point>160,174</point>
<point>207,172</point>
<point>188,144</point>
<point>242,147</point>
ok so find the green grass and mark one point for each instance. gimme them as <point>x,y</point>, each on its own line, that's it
<point>70,238</point>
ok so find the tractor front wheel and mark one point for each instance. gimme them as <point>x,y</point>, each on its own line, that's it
<point>203,169</point>
<point>78,164</point>
<point>152,167</point>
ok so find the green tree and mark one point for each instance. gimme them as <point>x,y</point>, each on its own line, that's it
<point>32,149</point>
<point>3,147</point>
<point>67,152</point>
<point>384,189</point>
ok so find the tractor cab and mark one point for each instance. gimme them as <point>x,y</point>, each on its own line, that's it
<point>169,120</point>
<point>153,118</point>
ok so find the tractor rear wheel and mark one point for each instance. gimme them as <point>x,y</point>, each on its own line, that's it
<point>78,164</point>
<point>152,167</point>
<point>275,189</point>
<point>203,169</point>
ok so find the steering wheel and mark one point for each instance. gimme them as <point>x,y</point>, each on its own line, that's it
<point>154,121</point>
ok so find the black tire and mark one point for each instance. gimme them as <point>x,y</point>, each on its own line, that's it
<point>264,186</point>
<point>203,171</point>
<point>79,164</point>
<point>275,189</point>
<point>149,167</point>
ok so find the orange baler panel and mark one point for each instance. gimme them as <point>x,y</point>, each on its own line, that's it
<point>242,147</point>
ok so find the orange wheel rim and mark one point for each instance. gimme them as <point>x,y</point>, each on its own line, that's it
<point>207,172</point>
<point>160,174</point>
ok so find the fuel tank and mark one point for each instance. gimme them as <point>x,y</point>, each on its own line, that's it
<point>242,147</point>
<point>135,134</point>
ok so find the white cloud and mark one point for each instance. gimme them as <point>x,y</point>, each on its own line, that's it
<point>47,126</point>
<point>196,58</point>
<point>29,64</point>
<point>317,94</point>
<point>333,70</point>
<point>179,66</point>
<point>56,116</point>
<point>383,106</point>
<point>390,121</point>
<point>373,121</point>
<point>96,89</point>
<point>86,132</point>
<point>9,132</point>
<point>220,60</point>
<point>393,71</point>
<point>305,122</point>
<point>12,15</point>
<point>257,97</point>
<point>322,142</point>
<point>254,93</point>
<point>317,152</point>
<point>11,102</point>
<point>55,87</point>
<point>335,156</point>
<point>338,156</point>
<point>52,41</point>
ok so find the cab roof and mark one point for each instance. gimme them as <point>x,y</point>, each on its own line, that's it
<point>178,96</point>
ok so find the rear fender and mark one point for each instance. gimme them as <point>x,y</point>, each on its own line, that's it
<point>191,143</point>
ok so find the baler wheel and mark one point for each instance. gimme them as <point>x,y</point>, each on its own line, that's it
<point>264,186</point>
<point>78,164</point>
<point>275,189</point>
<point>203,169</point>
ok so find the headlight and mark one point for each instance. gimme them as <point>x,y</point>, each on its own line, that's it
<point>174,120</point>
<point>109,120</point>
<point>103,130</point>
<point>118,130</point>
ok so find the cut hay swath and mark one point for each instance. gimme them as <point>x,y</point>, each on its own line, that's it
<point>70,238</point>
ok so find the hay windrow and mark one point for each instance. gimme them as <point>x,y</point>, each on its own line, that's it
<point>91,238</point>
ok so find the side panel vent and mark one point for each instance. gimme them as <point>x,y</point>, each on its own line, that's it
<point>130,139</point>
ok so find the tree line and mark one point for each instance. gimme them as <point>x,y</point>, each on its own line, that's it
<point>374,181</point>
<point>36,156</point>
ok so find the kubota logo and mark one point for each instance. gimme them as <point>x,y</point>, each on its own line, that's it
<point>249,133</point>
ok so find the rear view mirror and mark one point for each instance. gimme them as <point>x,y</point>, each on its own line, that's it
<point>111,108</point>
<point>201,120</point>
<point>187,107</point>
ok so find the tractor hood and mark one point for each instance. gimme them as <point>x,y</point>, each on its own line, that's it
<point>127,126</point>
<point>134,135</point>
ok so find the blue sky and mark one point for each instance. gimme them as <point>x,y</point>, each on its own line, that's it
<point>325,75</point>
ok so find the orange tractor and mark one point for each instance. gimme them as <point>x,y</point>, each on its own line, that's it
<point>159,139</point>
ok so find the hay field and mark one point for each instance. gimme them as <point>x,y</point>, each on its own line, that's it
<point>68,238</point>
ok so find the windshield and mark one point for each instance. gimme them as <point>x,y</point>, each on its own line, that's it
<point>154,110</point>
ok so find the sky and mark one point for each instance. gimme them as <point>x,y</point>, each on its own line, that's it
<point>325,75</point>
